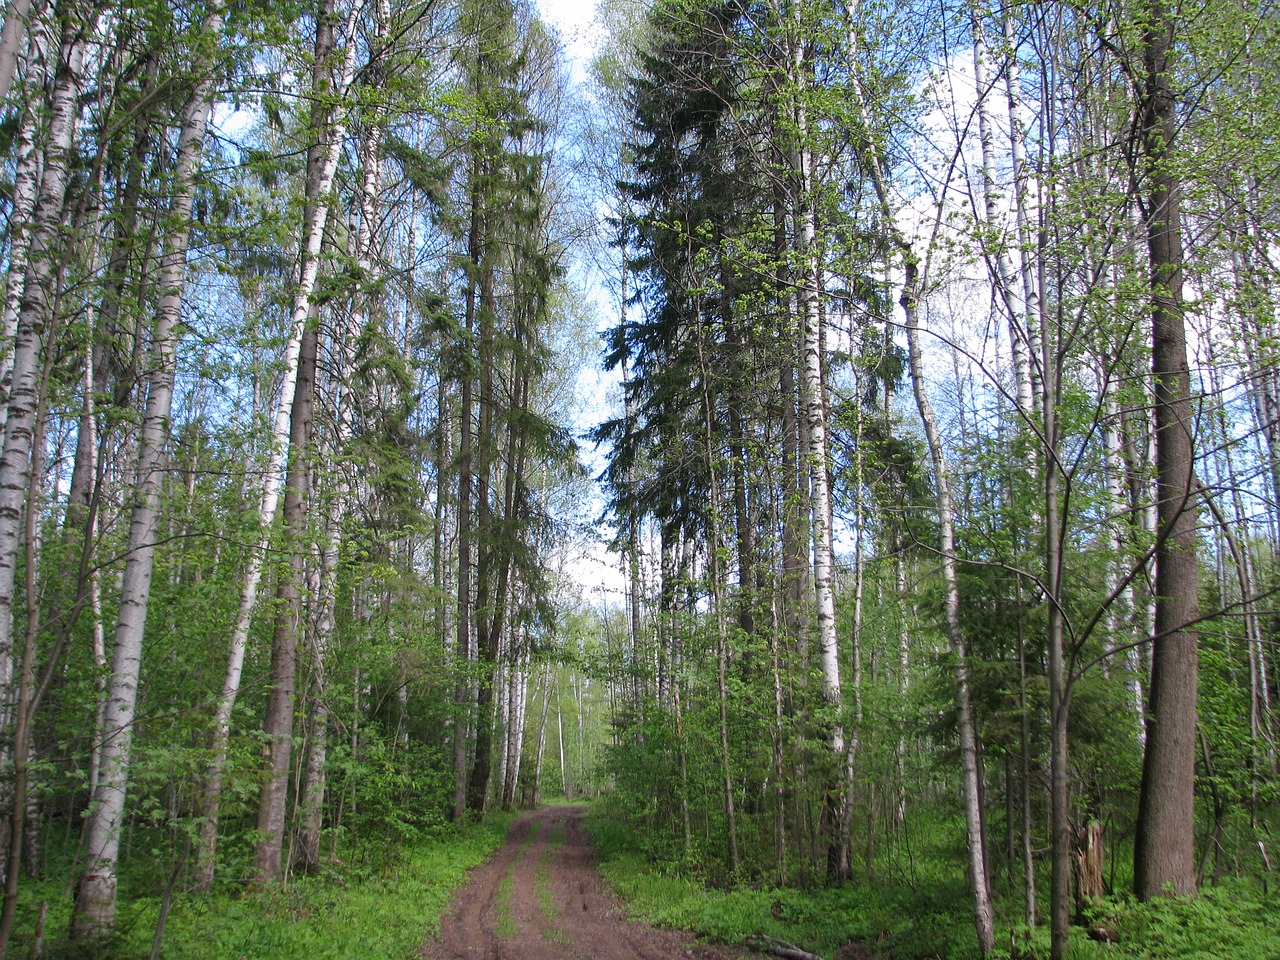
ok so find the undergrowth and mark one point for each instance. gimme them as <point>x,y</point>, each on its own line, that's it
<point>932,919</point>
<point>386,913</point>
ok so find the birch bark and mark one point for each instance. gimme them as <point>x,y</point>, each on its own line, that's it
<point>277,724</point>
<point>322,162</point>
<point>984,919</point>
<point>11,37</point>
<point>32,329</point>
<point>1004,274</point>
<point>321,634</point>
<point>814,407</point>
<point>95,907</point>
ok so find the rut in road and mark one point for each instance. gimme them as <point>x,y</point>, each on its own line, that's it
<point>542,898</point>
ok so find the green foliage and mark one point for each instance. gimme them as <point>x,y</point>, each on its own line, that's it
<point>931,917</point>
<point>1237,920</point>
<point>927,919</point>
<point>386,913</point>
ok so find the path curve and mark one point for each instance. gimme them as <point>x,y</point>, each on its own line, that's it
<point>541,898</point>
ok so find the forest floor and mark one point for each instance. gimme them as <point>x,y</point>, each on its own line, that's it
<point>541,898</point>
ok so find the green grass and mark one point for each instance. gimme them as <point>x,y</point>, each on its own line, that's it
<point>931,918</point>
<point>504,921</point>
<point>542,884</point>
<point>380,915</point>
<point>541,877</point>
<point>504,924</point>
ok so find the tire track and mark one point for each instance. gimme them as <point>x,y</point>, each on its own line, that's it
<point>542,898</point>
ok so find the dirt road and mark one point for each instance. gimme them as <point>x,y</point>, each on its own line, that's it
<point>541,898</point>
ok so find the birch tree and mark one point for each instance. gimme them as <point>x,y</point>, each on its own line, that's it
<point>95,910</point>
<point>35,323</point>
<point>984,919</point>
<point>334,67</point>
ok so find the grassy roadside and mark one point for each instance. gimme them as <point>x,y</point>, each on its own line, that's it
<point>377,914</point>
<point>932,919</point>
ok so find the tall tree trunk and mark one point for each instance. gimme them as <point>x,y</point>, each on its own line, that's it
<point>795,573</point>
<point>634,580</point>
<point>1022,203</point>
<point>28,162</point>
<point>1004,275</point>
<point>1124,619</point>
<point>26,684</point>
<point>34,327</point>
<point>814,425</point>
<point>278,722</point>
<point>493,573</point>
<point>1024,758</point>
<point>322,162</point>
<point>777,768</point>
<point>1059,690</point>
<point>535,791</point>
<point>15,28</point>
<point>464,648</point>
<point>95,908</point>
<point>323,626</point>
<point>1164,849</point>
<point>855,734</point>
<point>984,919</point>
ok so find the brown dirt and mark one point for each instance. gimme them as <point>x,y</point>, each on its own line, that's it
<point>541,898</point>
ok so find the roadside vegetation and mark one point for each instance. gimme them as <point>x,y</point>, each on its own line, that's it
<point>375,900</point>
<point>928,915</point>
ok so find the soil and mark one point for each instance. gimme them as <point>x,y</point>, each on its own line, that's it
<point>541,898</point>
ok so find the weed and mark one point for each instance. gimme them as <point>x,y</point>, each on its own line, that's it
<point>541,878</point>
<point>389,915</point>
<point>932,918</point>
<point>504,924</point>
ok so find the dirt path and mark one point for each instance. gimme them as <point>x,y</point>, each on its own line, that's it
<point>541,898</point>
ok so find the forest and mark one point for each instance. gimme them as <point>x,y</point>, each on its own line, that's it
<point>911,369</point>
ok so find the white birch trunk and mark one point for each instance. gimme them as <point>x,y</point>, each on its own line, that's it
<point>322,634</point>
<point>1004,273</point>
<point>564,773</point>
<point>26,181</point>
<point>95,907</point>
<point>320,181</point>
<point>311,821</point>
<point>15,28</point>
<point>28,172</point>
<point>503,680</point>
<point>515,732</point>
<point>542,732</point>
<point>1022,204</point>
<point>30,335</point>
<point>813,398</point>
<point>984,918</point>
<point>99,633</point>
<point>904,675</point>
<point>1114,471</point>
<point>855,734</point>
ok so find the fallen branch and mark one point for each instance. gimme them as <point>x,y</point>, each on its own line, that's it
<point>779,948</point>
